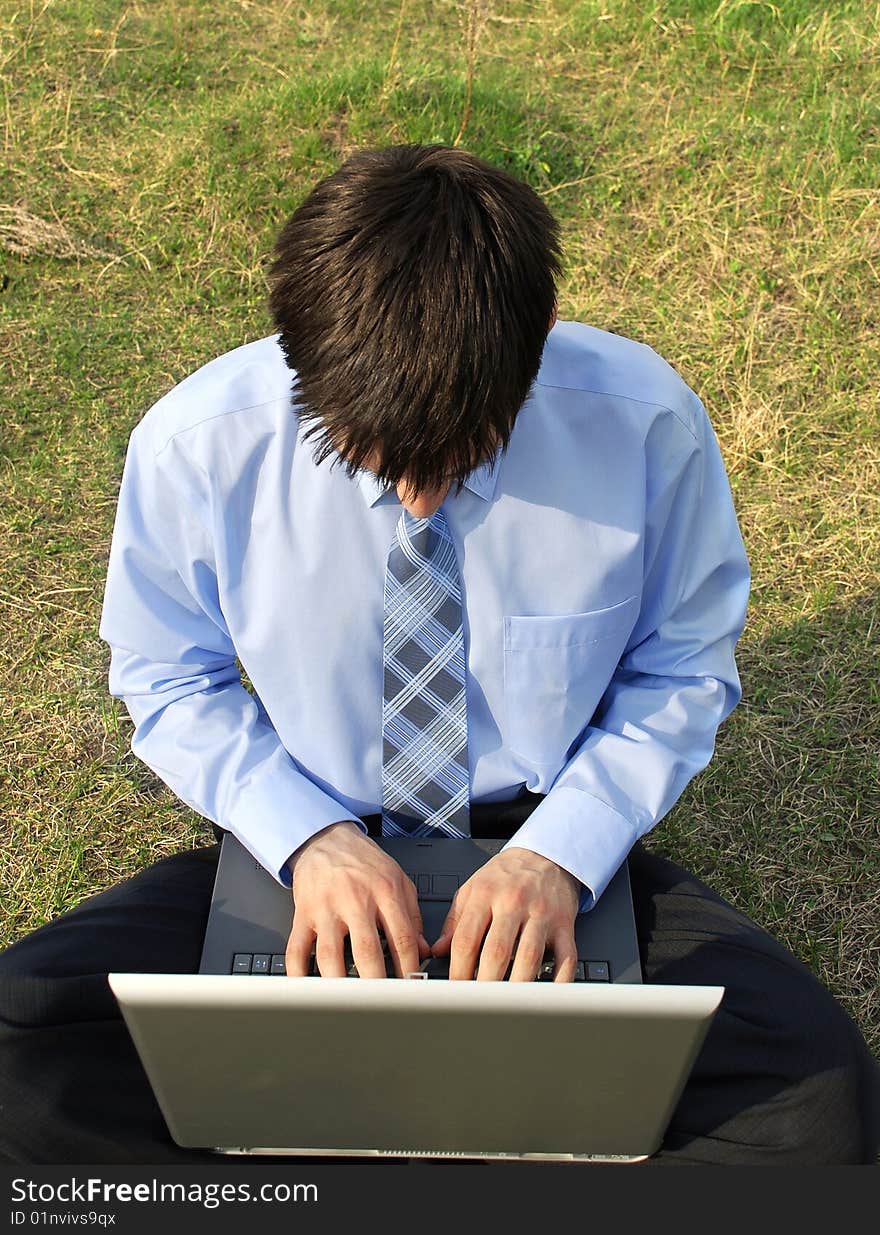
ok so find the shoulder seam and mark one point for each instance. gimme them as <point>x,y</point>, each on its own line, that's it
<point>613,394</point>
<point>230,411</point>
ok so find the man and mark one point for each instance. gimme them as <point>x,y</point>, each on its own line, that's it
<point>501,595</point>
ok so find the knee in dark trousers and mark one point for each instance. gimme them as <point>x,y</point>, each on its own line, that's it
<point>72,1088</point>
<point>784,1075</point>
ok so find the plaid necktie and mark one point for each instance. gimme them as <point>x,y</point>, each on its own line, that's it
<point>424,714</point>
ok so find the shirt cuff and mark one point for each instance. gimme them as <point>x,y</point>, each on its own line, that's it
<point>273,832</point>
<point>582,834</point>
<point>284,876</point>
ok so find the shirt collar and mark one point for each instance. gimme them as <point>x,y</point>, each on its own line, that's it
<point>480,481</point>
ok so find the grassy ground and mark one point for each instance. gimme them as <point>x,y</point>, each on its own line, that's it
<point>715,168</point>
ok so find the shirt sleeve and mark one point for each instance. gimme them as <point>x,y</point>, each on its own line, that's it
<point>173,663</point>
<point>676,681</point>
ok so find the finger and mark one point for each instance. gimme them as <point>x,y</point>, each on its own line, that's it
<point>497,949</point>
<point>330,948</point>
<point>467,940</point>
<point>415,917</point>
<point>442,944</point>
<point>366,949</point>
<point>529,952</point>
<point>564,954</point>
<point>299,948</point>
<point>403,934</point>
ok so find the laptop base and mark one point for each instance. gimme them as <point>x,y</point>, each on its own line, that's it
<point>425,1155</point>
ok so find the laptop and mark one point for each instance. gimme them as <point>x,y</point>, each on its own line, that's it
<point>421,1068</point>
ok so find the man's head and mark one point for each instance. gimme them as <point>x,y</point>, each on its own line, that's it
<point>413,290</point>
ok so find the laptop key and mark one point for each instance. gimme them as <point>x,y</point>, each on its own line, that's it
<point>261,963</point>
<point>548,969</point>
<point>598,971</point>
<point>278,965</point>
<point>241,962</point>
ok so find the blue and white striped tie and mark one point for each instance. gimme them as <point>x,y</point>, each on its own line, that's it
<point>425,788</point>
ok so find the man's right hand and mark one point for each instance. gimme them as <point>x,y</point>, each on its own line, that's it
<point>344,884</point>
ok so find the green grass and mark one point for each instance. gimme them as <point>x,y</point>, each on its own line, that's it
<point>715,169</point>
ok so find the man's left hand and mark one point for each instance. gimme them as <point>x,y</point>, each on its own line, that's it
<point>517,905</point>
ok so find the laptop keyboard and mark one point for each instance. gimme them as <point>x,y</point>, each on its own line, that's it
<point>433,967</point>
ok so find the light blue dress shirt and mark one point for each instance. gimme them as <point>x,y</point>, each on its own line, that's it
<point>604,586</point>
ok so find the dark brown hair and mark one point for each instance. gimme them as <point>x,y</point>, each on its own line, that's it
<point>412,291</point>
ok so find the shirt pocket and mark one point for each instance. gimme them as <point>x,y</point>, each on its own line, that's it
<point>556,670</point>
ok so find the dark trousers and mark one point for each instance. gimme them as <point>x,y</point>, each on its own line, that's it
<point>784,1076</point>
